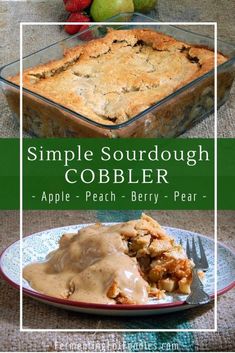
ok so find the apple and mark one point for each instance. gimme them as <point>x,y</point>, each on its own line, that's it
<point>144,5</point>
<point>101,10</point>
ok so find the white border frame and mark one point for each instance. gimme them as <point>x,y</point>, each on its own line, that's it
<point>214,24</point>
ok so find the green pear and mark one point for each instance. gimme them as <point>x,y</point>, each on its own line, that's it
<point>101,10</point>
<point>144,5</point>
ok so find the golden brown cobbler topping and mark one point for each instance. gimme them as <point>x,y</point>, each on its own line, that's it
<point>114,78</point>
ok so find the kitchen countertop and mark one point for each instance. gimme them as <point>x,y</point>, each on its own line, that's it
<point>37,37</point>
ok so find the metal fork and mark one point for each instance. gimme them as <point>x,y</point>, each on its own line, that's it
<point>197,295</point>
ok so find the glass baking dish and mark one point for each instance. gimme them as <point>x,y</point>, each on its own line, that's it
<point>169,117</point>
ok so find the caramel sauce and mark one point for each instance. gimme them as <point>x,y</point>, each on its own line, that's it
<point>88,265</point>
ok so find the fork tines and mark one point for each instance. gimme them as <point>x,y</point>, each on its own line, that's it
<point>200,260</point>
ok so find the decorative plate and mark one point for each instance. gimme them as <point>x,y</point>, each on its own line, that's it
<point>36,246</point>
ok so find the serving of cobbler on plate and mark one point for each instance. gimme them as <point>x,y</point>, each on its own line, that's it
<point>124,263</point>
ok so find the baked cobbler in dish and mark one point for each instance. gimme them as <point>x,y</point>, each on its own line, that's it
<point>125,263</point>
<point>112,79</point>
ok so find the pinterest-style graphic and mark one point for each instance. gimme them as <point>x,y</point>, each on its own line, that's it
<point>117,142</point>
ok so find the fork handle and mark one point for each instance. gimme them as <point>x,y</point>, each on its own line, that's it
<point>197,295</point>
<point>196,282</point>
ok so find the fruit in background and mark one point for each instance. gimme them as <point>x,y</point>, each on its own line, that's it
<point>103,9</point>
<point>144,5</point>
<point>76,17</point>
<point>76,5</point>
<point>87,35</point>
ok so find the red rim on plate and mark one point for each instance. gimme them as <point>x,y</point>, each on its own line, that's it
<point>72,303</point>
